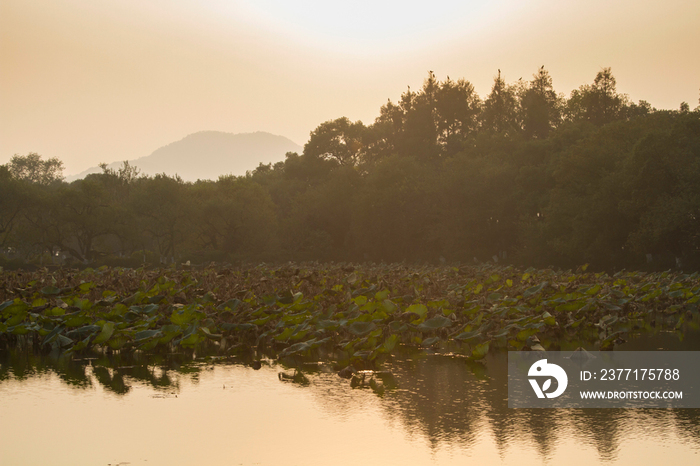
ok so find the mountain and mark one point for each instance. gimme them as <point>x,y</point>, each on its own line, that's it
<point>209,154</point>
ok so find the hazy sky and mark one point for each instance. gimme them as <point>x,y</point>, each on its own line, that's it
<point>93,81</point>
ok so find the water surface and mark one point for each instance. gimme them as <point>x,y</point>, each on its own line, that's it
<point>424,409</point>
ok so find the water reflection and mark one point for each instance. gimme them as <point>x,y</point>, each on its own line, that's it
<point>116,373</point>
<point>444,400</point>
<point>447,403</point>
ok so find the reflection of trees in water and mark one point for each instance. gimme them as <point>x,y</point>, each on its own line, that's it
<point>435,399</point>
<point>335,395</point>
<point>448,401</point>
<point>603,429</point>
<point>119,379</point>
<point>608,429</point>
<point>116,373</point>
<point>687,423</point>
<point>22,365</point>
<point>453,402</point>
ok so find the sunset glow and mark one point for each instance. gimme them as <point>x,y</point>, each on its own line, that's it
<point>92,82</point>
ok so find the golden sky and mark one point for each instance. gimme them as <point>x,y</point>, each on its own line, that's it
<point>92,81</point>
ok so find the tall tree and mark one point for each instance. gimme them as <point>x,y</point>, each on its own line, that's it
<point>500,113</point>
<point>419,136</point>
<point>541,107</point>
<point>457,108</point>
<point>598,103</point>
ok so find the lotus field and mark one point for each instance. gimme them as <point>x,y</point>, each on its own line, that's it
<point>349,313</point>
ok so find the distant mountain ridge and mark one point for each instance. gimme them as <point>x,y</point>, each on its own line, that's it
<point>210,154</point>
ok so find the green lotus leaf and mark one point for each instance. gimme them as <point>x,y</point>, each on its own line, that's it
<point>361,328</point>
<point>105,333</point>
<point>419,309</point>
<point>466,336</point>
<point>430,341</point>
<point>480,351</point>
<point>435,323</point>
<point>390,343</point>
<point>398,327</point>
<point>146,334</point>
<point>534,290</point>
<point>50,290</point>
<point>548,318</point>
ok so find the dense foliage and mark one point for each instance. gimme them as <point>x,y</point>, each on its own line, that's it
<point>340,312</point>
<point>525,176</point>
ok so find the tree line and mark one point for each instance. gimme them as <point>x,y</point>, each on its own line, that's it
<point>525,175</point>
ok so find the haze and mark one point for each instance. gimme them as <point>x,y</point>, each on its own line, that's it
<point>92,82</point>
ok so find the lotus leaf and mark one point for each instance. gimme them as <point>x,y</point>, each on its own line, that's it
<point>435,323</point>
<point>361,328</point>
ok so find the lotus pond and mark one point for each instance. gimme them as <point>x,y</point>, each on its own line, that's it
<point>241,366</point>
<point>352,314</point>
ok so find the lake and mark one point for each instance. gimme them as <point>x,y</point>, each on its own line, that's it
<point>419,409</point>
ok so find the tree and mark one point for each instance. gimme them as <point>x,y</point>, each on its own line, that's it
<point>396,215</point>
<point>126,174</point>
<point>42,227</point>
<point>159,204</point>
<point>234,216</point>
<point>339,139</point>
<point>33,169</point>
<point>598,103</point>
<point>429,123</point>
<point>12,201</point>
<point>457,108</point>
<point>663,173</point>
<point>500,113</point>
<point>419,130</point>
<point>388,129</point>
<point>541,107</point>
